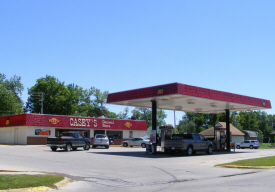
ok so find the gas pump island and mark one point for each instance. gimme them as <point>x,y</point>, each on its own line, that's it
<point>187,98</point>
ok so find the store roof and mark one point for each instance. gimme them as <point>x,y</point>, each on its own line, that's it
<point>251,133</point>
<point>222,125</point>
<point>182,97</point>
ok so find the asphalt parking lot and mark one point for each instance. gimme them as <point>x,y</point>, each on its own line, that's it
<point>130,169</point>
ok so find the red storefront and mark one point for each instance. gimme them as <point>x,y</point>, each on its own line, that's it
<point>34,129</point>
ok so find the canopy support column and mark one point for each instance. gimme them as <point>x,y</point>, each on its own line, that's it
<point>227,130</point>
<point>154,115</point>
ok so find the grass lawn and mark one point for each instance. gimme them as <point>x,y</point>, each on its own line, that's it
<point>266,146</point>
<point>25,181</point>
<point>258,162</point>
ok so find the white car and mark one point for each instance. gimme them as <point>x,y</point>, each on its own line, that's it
<point>101,140</point>
<point>252,144</point>
<point>136,142</point>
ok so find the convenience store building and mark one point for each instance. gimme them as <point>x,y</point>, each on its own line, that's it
<point>34,129</point>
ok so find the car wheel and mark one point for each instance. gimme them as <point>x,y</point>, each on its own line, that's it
<point>209,151</point>
<point>68,147</point>
<point>238,146</point>
<point>143,145</point>
<point>53,148</point>
<point>189,150</point>
<point>125,144</point>
<point>194,152</point>
<point>87,146</point>
<point>251,146</point>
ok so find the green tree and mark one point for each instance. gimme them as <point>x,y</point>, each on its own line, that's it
<point>99,101</point>
<point>248,121</point>
<point>57,97</point>
<point>10,95</point>
<point>62,99</point>
<point>146,114</point>
<point>187,127</point>
<point>124,114</point>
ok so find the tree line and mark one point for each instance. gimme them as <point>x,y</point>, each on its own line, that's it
<point>51,96</point>
<point>258,121</point>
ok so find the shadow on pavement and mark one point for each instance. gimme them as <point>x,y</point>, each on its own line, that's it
<point>142,154</point>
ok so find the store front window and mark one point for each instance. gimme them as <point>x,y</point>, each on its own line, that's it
<point>115,134</point>
<point>85,133</point>
<point>99,132</point>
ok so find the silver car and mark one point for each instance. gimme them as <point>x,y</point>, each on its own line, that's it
<point>136,142</point>
<point>101,140</point>
<point>252,144</point>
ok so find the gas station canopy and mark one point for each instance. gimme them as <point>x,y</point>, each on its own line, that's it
<point>181,97</point>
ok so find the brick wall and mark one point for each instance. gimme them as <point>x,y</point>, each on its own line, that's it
<point>36,140</point>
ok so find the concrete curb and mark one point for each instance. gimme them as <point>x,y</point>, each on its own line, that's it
<point>248,167</point>
<point>62,183</point>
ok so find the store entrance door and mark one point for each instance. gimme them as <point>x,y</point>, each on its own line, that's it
<point>99,132</point>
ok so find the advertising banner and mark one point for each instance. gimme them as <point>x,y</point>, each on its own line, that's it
<point>153,136</point>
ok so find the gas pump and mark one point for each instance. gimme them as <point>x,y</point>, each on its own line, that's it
<point>165,132</point>
<point>220,139</point>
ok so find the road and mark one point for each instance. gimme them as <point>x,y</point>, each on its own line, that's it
<point>130,169</point>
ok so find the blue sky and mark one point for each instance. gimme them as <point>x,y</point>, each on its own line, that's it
<point>122,45</point>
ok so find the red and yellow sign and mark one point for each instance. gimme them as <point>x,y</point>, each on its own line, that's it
<point>7,121</point>
<point>160,91</point>
<point>53,121</point>
<point>128,125</point>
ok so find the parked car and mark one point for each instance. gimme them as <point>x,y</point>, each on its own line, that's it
<point>136,142</point>
<point>101,140</point>
<point>248,144</point>
<point>69,141</point>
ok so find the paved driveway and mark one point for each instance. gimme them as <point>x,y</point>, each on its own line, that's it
<point>130,169</point>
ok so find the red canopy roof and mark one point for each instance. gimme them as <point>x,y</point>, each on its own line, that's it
<point>181,97</point>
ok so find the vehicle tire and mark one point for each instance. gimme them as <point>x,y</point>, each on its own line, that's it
<point>68,147</point>
<point>125,144</point>
<point>209,150</point>
<point>143,145</point>
<point>53,148</point>
<point>194,152</point>
<point>251,147</point>
<point>74,148</point>
<point>106,147</point>
<point>238,146</point>
<point>87,146</point>
<point>189,150</point>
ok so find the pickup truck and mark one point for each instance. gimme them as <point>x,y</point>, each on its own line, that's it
<point>189,143</point>
<point>68,141</point>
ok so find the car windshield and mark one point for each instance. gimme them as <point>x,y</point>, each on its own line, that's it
<point>100,136</point>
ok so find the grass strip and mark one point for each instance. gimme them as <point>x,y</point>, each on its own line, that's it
<point>258,162</point>
<point>25,181</point>
<point>266,146</point>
